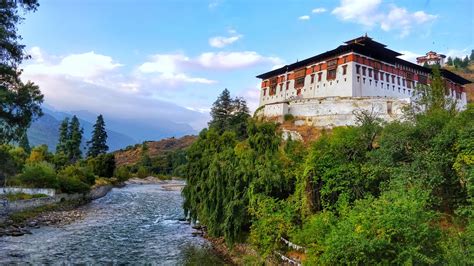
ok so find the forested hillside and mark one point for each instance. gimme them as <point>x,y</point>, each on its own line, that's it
<point>375,193</point>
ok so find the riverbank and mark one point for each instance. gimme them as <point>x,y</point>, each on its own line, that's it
<point>60,211</point>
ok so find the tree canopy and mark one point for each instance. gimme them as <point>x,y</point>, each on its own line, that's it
<point>98,142</point>
<point>20,101</point>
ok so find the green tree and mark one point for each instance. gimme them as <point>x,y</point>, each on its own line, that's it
<point>431,98</point>
<point>61,147</point>
<point>465,62</point>
<point>221,111</point>
<point>457,62</point>
<point>74,140</point>
<point>471,57</point>
<point>229,114</point>
<point>449,61</point>
<point>20,101</point>
<point>25,143</point>
<point>98,142</point>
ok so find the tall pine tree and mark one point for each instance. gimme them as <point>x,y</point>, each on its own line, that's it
<point>229,114</point>
<point>98,143</point>
<point>221,111</point>
<point>74,140</point>
<point>61,147</point>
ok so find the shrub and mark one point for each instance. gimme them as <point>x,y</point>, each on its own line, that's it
<point>142,172</point>
<point>122,173</point>
<point>72,184</point>
<point>41,175</point>
<point>40,153</point>
<point>289,117</point>
<point>103,165</point>
<point>83,174</point>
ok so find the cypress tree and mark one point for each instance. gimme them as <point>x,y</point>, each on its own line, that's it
<point>61,147</point>
<point>74,140</point>
<point>98,142</point>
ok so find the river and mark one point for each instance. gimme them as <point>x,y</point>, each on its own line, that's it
<point>137,224</point>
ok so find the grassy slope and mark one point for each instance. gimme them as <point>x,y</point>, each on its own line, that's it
<point>132,155</point>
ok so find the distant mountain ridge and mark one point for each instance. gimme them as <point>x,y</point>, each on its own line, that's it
<point>121,132</point>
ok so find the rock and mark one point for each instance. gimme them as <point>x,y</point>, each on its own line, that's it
<point>16,233</point>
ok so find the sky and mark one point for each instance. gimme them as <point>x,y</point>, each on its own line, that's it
<point>144,59</point>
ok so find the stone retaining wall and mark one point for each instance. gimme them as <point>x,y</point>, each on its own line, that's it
<point>7,207</point>
<point>31,191</point>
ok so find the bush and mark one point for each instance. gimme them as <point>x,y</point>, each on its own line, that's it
<point>40,175</point>
<point>103,165</point>
<point>142,172</point>
<point>122,173</point>
<point>83,174</point>
<point>72,184</point>
<point>289,117</point>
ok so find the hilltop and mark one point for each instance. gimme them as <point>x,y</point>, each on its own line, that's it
<point>132,154</point>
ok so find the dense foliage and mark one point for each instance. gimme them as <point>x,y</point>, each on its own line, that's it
<point>20,101</point>
<point>390,193</point>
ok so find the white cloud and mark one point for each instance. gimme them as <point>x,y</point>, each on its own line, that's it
<point>214,4</point>
<point>409,56</point>
<point>173,63</point>
<point>86,65</point>
<point>233,60</point>
<point>361,11</point>
<point>461,53</point>
<point>221,41</point>
<point>319,10</point>
<point>370,13</point>
<point>88,81</point>
<point>305,17</point>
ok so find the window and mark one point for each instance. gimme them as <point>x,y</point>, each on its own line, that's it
<point>331,74</point>
<point>381,75</point>
<point>282,78</point>
<point>363,71</point>
<point>287,76</point>
<point>320,75</point>
<point>363,80</point>
<point>398,81</point>
<point>358,69</point>
<point>393,79</point>
<point>370,72</point>
<point>387,77</point>
<point>287,85</point>
<point>264,92</point>
<point>422,79</point>
<point>281,87</point>
<point>358,78</point>
<point>312,78</point>
<point>344,69</point>
<point>403,82</point>
<point>299,82</point>
<point>376,74</point>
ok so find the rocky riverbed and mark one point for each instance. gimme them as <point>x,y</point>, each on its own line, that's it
<point>137,224</point>
<point>65,215</point>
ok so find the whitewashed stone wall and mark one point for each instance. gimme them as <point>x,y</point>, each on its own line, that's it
<point>338,111</point>
<point>30,191</point>
<point>275,110</point>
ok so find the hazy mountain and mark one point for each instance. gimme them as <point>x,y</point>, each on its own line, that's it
<point>121,132</point>
<point>46,131</point>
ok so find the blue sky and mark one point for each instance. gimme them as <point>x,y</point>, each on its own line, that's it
<point>149,59</point>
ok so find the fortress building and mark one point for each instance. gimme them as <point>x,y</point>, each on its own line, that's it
<point>431,58</point>
<point>363,74</point>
